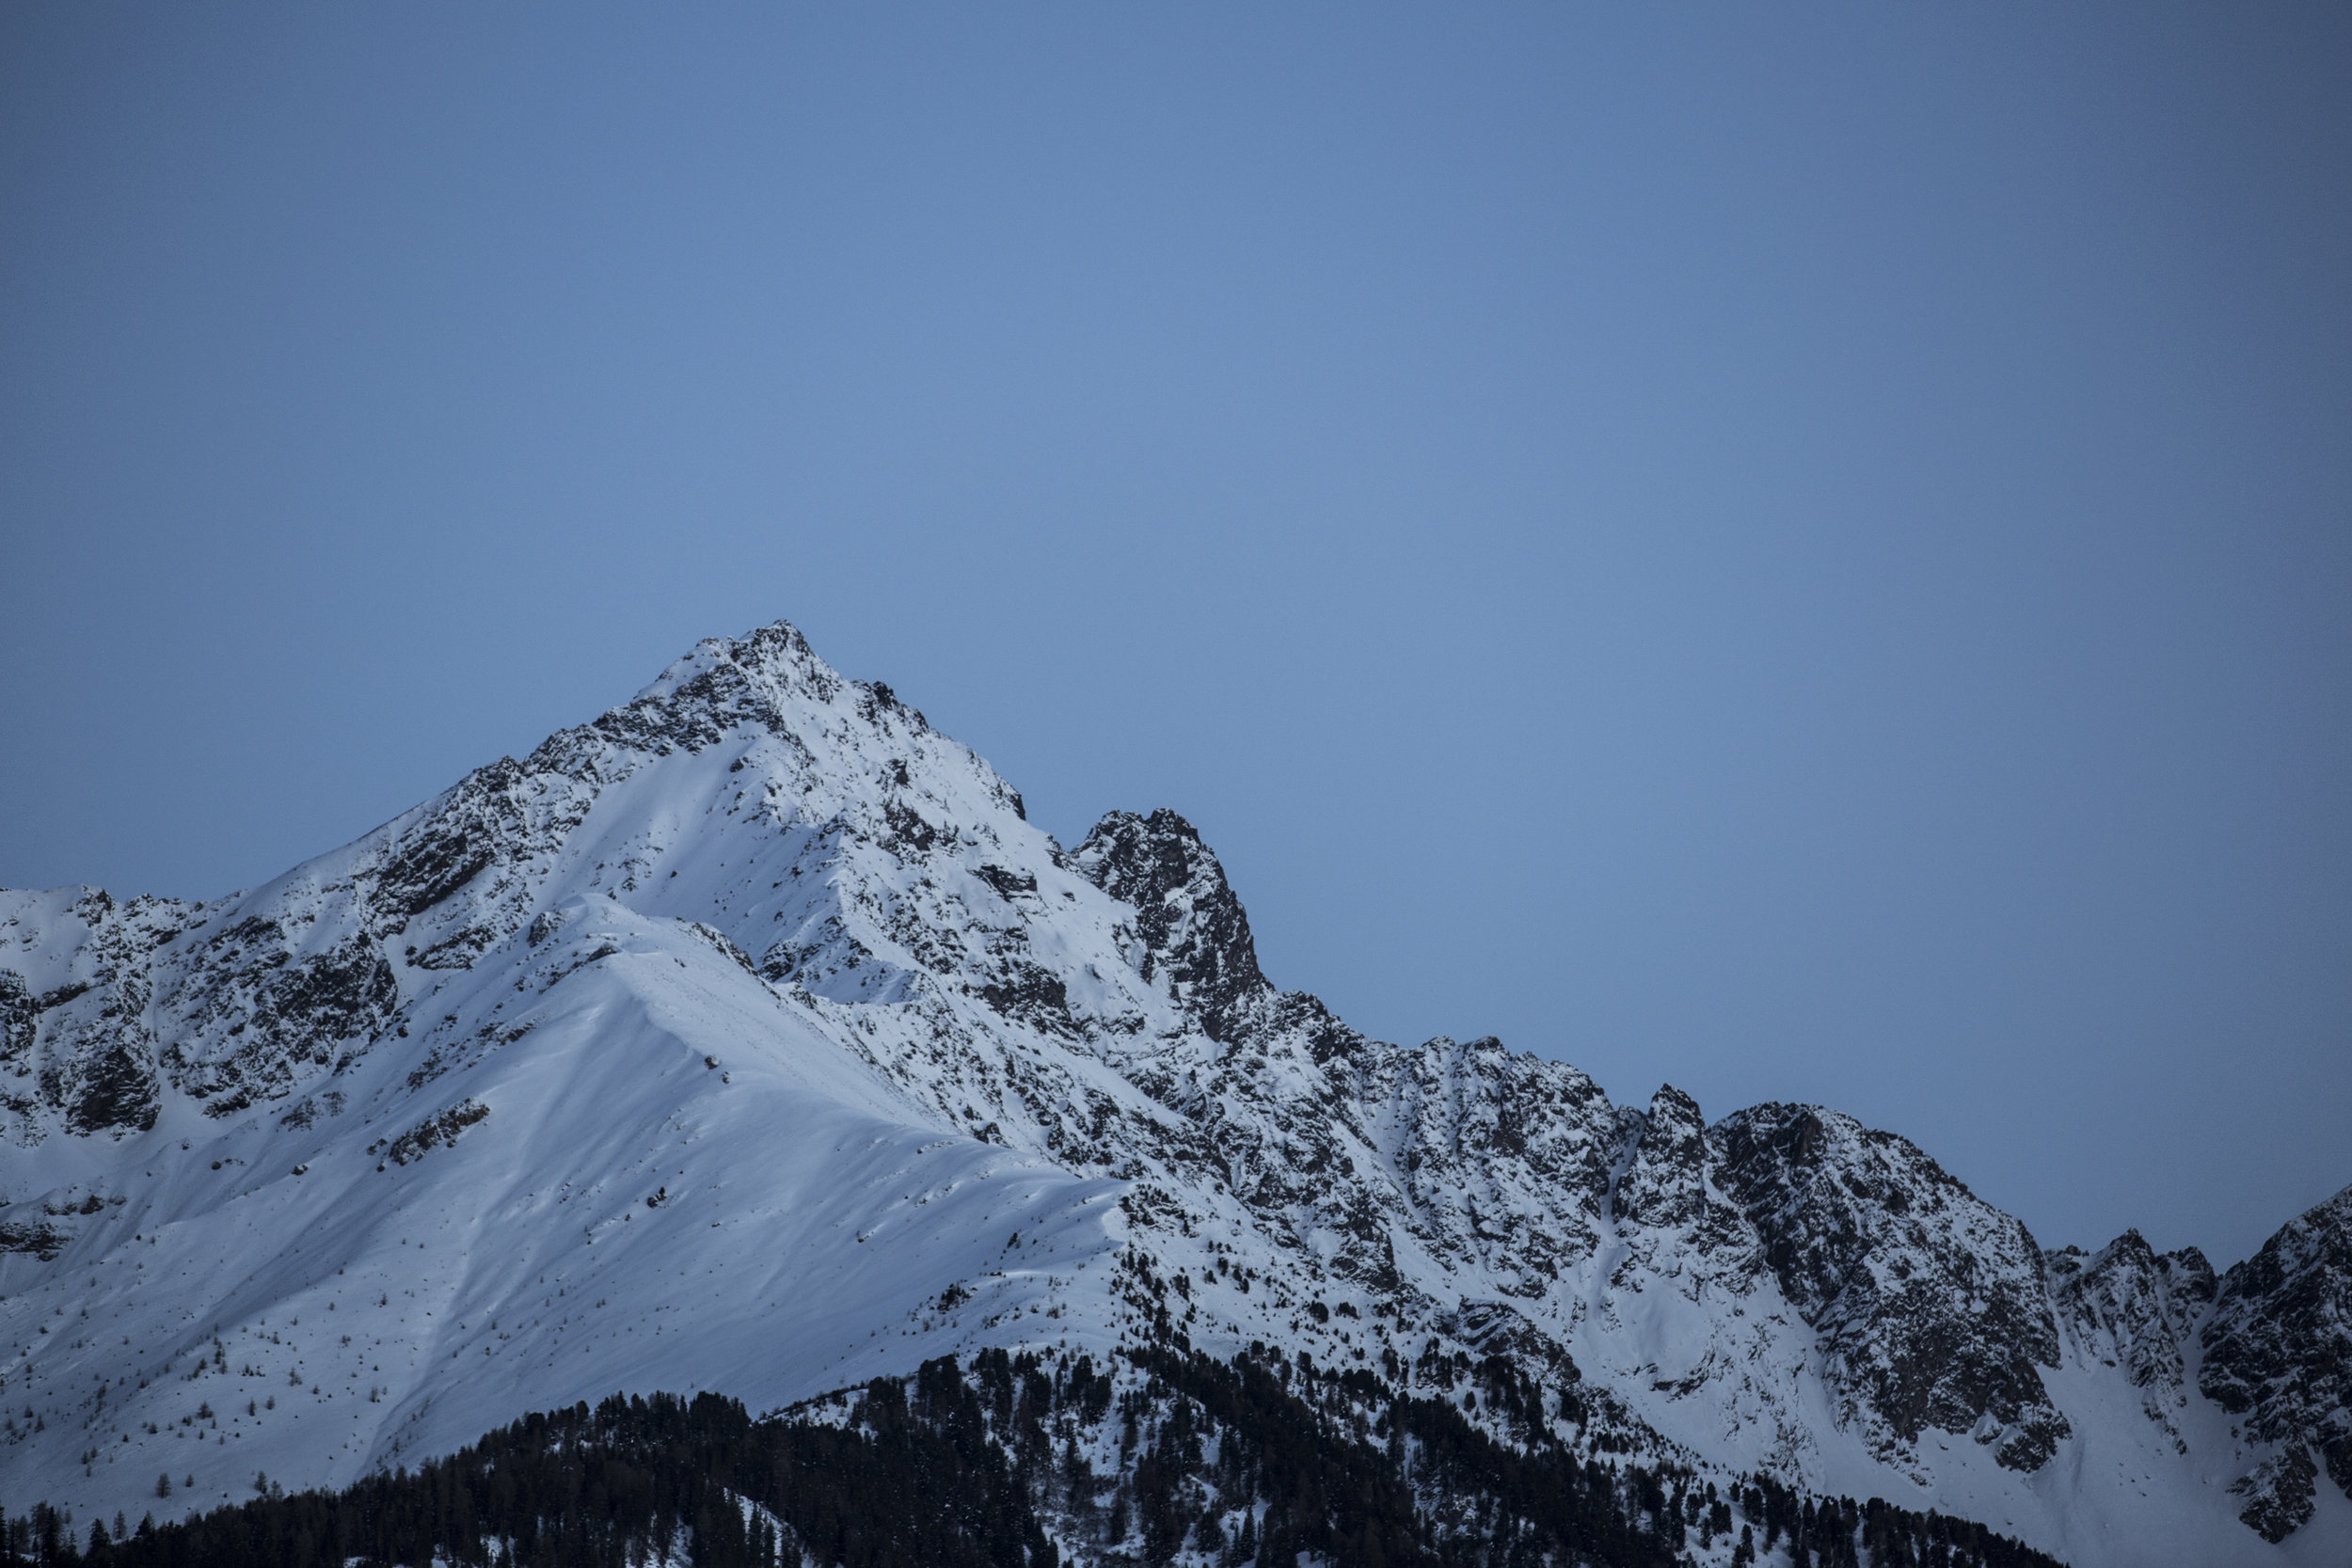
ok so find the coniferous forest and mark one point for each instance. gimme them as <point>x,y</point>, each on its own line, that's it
<point>1027,1461</point>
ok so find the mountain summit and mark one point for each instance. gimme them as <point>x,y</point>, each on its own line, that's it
<point>749,1038</point>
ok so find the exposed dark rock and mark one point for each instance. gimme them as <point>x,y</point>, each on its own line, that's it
<point>1929,1300</point>
<point>118,1090</point>
<point>725,684</point>
<point>456,844</point>
<point>1034,995</point>
<point>2279,1351</point>
<point>457,950</point>
<point>1665,1183</point>
<point>20,1017</point>
<point>51,1001</point>
<point>909,830</point>
<point>1009,885</point>
<point>722,942</point>
<point>39,1237</point>
<point>1499,1329</point>
<point>2130,1307</point>
<point>431,1134</point>
<point>1196,936</point>
<point>2280,1494</point>
<point>93,1037</point>
<point>274,1019</point>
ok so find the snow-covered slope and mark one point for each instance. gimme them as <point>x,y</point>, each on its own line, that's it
<point>749,1038</point>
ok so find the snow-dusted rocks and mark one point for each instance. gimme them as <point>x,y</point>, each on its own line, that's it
<point>2129,1307</point>
<point>77,1038</point>
<point>749,1038</point>
<point>2278,1351</point>
<point>1929,1302</point>
<point>1193,936</point>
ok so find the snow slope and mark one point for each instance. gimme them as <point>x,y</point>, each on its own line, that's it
<point>749,1038</point>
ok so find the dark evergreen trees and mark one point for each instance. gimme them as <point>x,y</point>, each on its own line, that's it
<point>1249,1460</point>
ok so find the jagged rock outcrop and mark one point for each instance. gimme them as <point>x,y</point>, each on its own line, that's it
<point>1194,935</point>
<point>78,1039</point>
<point>1929,1301</point>
<point>2129,1307</point>
<point>2278,1352</point>
<point>1671,1215</point>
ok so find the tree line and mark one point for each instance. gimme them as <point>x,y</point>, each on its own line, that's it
<point>1252,1461</point>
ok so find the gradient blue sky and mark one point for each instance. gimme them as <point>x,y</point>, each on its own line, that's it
<point>1804,553</point>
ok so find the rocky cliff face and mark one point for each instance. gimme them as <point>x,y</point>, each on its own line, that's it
<point>2278,1352</point>
<point>758,981</point>
<point>1192,936</point>
<point>81,1050</point>
<point>1929,1302</point>
<point>2129,1308</point>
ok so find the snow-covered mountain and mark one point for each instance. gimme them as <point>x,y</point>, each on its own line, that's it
<point>749,1038</point>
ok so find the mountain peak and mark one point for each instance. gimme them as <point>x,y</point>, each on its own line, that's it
<point>775,656</point>
<point>767,680</point>
<point>759,981</point>
<point>1194,930</point>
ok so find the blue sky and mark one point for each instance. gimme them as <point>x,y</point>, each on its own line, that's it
<point>1804,553</point>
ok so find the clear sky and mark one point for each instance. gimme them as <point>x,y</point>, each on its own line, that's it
<point>1802,553</point>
